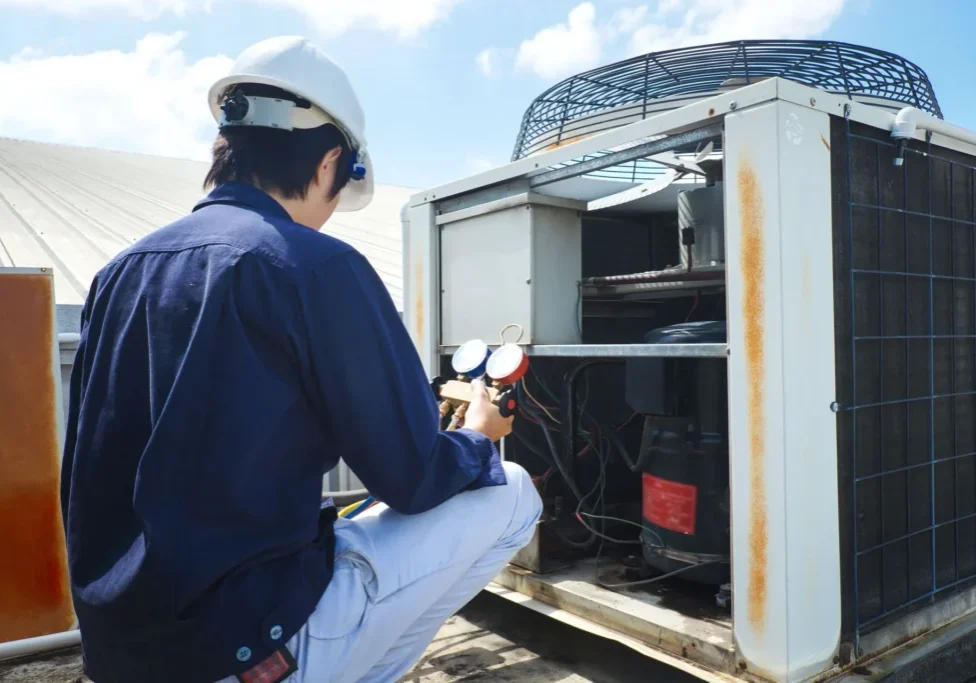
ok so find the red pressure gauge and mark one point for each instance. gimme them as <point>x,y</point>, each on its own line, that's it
<point>508,364</point>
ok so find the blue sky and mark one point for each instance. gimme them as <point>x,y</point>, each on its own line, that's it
<point>444,82</point>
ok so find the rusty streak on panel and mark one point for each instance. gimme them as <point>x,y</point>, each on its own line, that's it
<point>34,594</point>
<point>418,305</point>
<point>567,141</point>
<point>824,141</point>
<point>753,305</point>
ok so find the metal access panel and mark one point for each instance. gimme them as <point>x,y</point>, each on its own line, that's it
<point>513,261</point>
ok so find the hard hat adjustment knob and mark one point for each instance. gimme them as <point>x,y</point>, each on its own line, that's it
<point>235,107</point>
<point>358,170</point>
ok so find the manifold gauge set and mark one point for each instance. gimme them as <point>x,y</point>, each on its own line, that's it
<point>501,368</point>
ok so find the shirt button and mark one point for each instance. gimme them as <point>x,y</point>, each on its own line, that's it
<point>244,654</point>
<point>276,632</point>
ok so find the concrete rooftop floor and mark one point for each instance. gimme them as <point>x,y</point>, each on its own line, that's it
<point>490,641</point>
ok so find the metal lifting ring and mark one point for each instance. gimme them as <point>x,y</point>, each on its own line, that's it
<point>509,327</point>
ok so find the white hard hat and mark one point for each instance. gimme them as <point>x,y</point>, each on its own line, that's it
<point>299,67</point>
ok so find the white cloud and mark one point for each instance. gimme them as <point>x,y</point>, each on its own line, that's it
<point>628,19</point>
<point>406,18</point>
<point>585,41</point>
<point>565,48</point>
<point>151,99</point>
<point>713,21</point>
<point>665,7</point>
<point>140,9</point>
<point>489,61</point>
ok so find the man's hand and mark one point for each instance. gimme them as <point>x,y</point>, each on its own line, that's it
<point>483,416</point>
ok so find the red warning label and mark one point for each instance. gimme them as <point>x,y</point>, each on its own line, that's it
<point>670,505</point>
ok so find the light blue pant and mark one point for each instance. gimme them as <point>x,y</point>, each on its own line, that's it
<point>399,578</point>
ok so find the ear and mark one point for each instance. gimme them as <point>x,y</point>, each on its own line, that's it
<point>332,156</point>
<point>328,167</point>
<point>330,160</point>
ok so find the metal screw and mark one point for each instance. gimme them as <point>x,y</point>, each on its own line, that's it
<point>733,104</point>
<point>835,407</point>
<point>528,281</point>
<point>813,101</point>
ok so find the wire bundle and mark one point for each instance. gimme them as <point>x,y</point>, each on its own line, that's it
<point>536,412</point>
<point>601,440</point>
<point>355,509</point>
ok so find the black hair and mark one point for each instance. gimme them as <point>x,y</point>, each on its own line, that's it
<point>280,161</point>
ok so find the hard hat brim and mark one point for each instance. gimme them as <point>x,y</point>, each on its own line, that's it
<point>357,194</point>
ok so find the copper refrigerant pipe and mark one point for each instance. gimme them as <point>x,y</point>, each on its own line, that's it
<point>652,276</point>
<point>458,418</point>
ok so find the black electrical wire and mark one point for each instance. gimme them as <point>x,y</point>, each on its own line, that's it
<point>532,449</point>
<point>571,543</point>
<point>610,436</point>
<point>591,539</point>
<point>571,484</point>
<point>655,579</point>
<point>557,461</point>
<point>602,485</point>
<point>642,457</point>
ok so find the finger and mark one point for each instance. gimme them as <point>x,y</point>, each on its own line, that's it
<point>479,392</point>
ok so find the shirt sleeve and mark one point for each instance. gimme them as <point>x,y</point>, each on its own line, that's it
<point>368,381</point>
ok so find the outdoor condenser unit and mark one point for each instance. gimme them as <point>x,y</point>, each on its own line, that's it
<point>806,200</point>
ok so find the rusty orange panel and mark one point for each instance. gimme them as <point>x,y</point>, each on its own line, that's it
<point>34,593</point>
<point>752,256</point>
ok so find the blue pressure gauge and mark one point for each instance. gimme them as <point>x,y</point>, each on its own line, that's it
<point>471,359</point>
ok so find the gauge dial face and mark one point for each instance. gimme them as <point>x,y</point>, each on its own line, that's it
<point>508,364</point>
<point>470,358</point>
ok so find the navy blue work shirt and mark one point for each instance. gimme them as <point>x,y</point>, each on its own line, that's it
<point>227,362</point>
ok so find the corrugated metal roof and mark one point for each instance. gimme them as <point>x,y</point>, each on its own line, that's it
<point>74,208</point>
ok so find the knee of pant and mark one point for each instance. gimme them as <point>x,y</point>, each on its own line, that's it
<point>527,501</point>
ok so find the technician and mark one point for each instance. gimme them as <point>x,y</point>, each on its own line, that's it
<point>226,363</point>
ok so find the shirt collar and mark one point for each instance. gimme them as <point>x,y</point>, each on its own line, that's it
<point>243,194</point>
